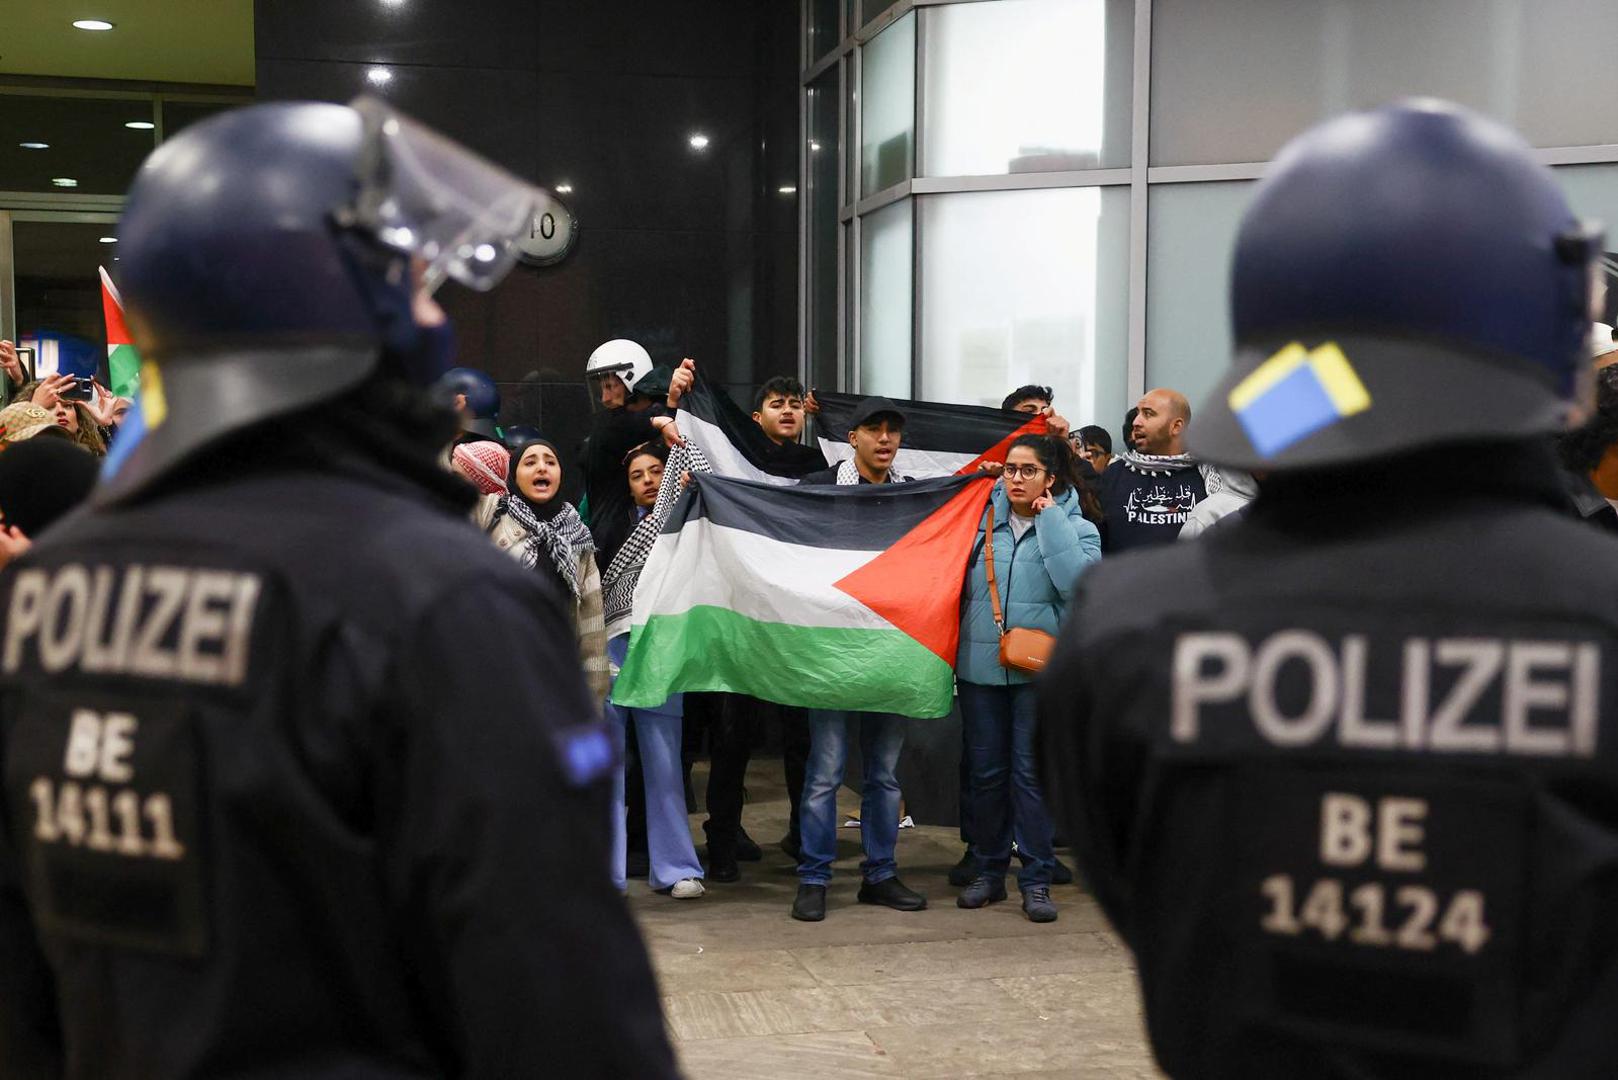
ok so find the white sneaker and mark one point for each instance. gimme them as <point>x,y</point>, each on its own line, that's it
<point>687,889</point>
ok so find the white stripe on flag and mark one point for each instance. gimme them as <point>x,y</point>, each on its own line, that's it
<point>755,576</point>
<point>914,463</point>
<point>723,454</point>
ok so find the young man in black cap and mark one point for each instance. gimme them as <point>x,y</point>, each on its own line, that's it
<point>875,431</point>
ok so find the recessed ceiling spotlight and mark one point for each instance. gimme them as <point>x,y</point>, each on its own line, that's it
<point>814,147</point>
<point>109,239</point>
<point>91,24</point>
<point>379,76</point>
<point>564,189</point>
<point>139,125</point>
<point>698,141</point>
<point>64,181</point>
<point>35,145</point>
<point>787,189</point>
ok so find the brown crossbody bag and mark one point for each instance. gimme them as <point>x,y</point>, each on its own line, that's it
<point>1021,649</point>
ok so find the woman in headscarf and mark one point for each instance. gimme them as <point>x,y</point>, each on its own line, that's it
<point>541,530</point>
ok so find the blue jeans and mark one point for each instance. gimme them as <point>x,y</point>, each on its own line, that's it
<point>882,735</point>
<point>999,723</point>
<point>668,830</point>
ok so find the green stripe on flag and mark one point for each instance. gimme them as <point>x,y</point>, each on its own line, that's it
<point>123,370</point>
<point>712,648</point>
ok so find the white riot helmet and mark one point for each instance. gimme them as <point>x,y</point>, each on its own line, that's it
<point>620,357</point>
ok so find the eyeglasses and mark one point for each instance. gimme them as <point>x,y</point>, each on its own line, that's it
<point>1023,472</point>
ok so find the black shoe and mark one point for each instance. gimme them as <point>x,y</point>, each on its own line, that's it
<point>983,890</point>
<point>789,844</point>
<point>637,865</point>
<point>892,893</point>
<point>810,906</point>
<point>722,866</point>
<point>1036,904</point>
<point>962,873</point>
<point>747,849</point>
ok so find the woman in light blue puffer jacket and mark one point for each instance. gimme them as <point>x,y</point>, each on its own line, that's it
<point>1042,543</point>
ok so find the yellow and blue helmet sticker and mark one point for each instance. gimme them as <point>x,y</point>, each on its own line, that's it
<point>1295,393</point>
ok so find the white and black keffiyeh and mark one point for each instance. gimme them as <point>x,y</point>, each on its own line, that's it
<point>1164,464</point>
<point>849,473</point>
<point>561,537</point>
<point>618,583</point>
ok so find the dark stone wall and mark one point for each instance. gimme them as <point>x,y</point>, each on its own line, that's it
<point>691,253</point>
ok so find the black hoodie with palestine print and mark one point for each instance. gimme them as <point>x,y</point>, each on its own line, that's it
<point>1146,498</point>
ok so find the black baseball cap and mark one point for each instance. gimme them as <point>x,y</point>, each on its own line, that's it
<point>873,407</point>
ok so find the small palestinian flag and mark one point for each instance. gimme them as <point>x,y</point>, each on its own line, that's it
<point>734,443</point>
<point>939,439</point>
<point>123,362</point>
<point>821,596</point>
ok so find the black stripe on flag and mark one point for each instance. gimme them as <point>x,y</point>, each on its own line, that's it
<point>929,425</point>
<point>712,405</point>
<point>863,517</point>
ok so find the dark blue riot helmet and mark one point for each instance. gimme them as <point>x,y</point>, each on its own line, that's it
<point>269,260</point>
<point>1405,277</point>
<point>481,394</point>
<point>520,435</point>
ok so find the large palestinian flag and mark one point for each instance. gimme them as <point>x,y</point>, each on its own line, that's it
<point>734,443</point>
<point>823,596</point>
<point>123,362</point>
<point>939,440</point>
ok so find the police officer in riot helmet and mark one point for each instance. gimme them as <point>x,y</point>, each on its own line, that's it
<point>301,777</point>
<point>475,398</point>
<point>1344,774</point>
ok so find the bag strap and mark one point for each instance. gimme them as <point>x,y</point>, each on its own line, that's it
<point>988,566</point>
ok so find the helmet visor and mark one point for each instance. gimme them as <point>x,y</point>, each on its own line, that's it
<point>426,196</point>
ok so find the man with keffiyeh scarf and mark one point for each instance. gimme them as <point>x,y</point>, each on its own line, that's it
<point>1151,488</point>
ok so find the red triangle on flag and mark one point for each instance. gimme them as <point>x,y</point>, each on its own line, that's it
<point>916,583</point>
<point>998,452</point>
<point>112,307</point>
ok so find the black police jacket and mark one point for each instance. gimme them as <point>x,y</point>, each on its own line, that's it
<point>301,779</point>
<point>1344,776</point>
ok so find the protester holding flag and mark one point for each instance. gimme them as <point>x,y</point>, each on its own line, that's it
<point>939,439</point>
<point>659,724</point>
<point>1039,541</point>
<point>537,527</point>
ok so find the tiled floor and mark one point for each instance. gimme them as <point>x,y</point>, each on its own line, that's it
<point>750,993</point>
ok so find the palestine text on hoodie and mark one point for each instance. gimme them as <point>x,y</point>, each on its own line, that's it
<point>1146,498</point>
<point>831,597</point>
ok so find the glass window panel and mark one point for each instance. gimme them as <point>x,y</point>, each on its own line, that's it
<point>86,139</point>
<point>888,119</point>
<point>822,28</point>
<point>886,265</point>
<point>1188,250</point>
<point>822,196</point>
<point>1233,82</point>
<point>181,114</point>
<point>1027,86</point>
<point>58,291</point>
<point>1023,287</point>
<point>1593,191</point>
<point>870,9</point>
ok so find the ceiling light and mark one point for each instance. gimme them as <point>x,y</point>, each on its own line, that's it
<point>564,189</point>
<point>35,145</point>
<point>109,239</point>
<point>814,147</point>
<point>139,125</point>
<point>787,189</point>
<point>379,76</point>
<point>91,24</point>
<point>64,181</point>
<point>698,141</point>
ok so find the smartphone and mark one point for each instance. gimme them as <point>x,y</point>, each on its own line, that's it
<point>80,389</point>
<point>25,354</point>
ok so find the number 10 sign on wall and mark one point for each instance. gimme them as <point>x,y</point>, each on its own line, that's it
<point>550,234</point>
